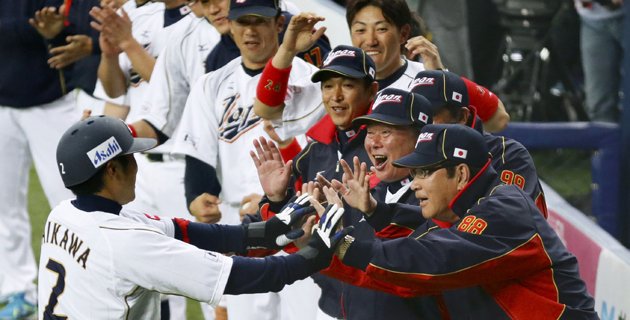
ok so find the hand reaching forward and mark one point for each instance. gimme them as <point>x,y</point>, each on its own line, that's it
<point>273,173</point>
<point>355,188</point>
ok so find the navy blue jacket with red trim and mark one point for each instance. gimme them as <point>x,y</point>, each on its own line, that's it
<point>510,159</point>
<point>502,246</point>
<point>322,156</point>
<point>338,299</point>
<point>515,166</point>
<point>362,303</point>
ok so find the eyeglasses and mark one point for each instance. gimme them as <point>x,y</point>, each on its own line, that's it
<point>423,173</point>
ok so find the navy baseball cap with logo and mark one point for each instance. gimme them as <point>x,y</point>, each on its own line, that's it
<point>346,61</point>
<point>260,8</point>
<point>90,143</point>
<point>440,144</point>
<point>398,108</point>
<point>441,88</point>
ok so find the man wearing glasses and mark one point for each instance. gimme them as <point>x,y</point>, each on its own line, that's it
<point>499,245</point>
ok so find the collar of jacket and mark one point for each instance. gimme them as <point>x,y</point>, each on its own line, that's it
<point>476,188</point>
<point>325,131</point>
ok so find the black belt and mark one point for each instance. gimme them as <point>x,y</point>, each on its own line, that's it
<point>155,157</point>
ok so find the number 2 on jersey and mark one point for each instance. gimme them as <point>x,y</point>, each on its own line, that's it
<point>57,290</point>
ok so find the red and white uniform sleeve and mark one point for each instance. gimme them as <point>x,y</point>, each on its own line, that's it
<point>303,106</point>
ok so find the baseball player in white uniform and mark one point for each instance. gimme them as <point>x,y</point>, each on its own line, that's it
<point>160,187</point>
<point>218,127</point>
<point>100,261</point>
<point>379,36</point>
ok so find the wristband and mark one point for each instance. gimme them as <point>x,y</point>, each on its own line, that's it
<point>482,99</point>
<point>133,130</point>
<point>272,86</point>
<point>290,151</point>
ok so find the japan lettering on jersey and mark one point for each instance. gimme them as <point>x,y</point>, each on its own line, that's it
<point>102,265</point>
<point>237,119</point>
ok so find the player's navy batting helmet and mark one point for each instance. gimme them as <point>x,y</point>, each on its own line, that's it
<point>92,142</point>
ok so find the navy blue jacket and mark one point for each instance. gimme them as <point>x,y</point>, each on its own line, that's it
<point>364,304</point>
<point>338,299</point>
<point>84,71</point>
<point>502,246</point>
<point>25,78</point>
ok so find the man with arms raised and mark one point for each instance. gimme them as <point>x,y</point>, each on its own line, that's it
<point>218,126</point>
<point>101,261</point>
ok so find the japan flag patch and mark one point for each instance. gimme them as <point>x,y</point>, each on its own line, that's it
<point>460,153</point>
<point>457,96</point>
<point>423,117</point>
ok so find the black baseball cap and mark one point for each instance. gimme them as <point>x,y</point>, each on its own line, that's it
<point>398,108</point>
<point>347,61</point>
<point>446,143</point>
<point>260,8</point>
<point>90,143</point>
<point>441,88</point>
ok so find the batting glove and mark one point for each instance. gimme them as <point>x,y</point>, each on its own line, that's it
<point>277,232</point>
<point>325,239</point>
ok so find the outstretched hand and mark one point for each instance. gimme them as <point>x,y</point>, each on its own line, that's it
<point>273,173</point>
<point>326,238</point>
<point>301,33</point>
<point>283,228</point>
<point>355,188</point>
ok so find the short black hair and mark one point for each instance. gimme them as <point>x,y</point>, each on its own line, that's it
<point>456,113</point>
<point>450,171</point>
<point>395,11</point>
<point>96,183</point>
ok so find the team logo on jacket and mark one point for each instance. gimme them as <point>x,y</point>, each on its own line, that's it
<point>104,151</point>
<point>236,119</point>
<point>387,98</point>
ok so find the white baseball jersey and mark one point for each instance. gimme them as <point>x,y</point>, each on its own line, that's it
<point>403,82</point>
<point>219,126</point>
<point>146,21</point>
<point>176,69</point>
<point>298,117</point>
<point>99,265</point>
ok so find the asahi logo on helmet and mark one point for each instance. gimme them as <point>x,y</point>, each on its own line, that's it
<point>104,152</point>
<point>340,53</point>
<point>385,98</point>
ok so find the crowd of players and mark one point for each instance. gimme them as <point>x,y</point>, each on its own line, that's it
<point>393,148</point>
